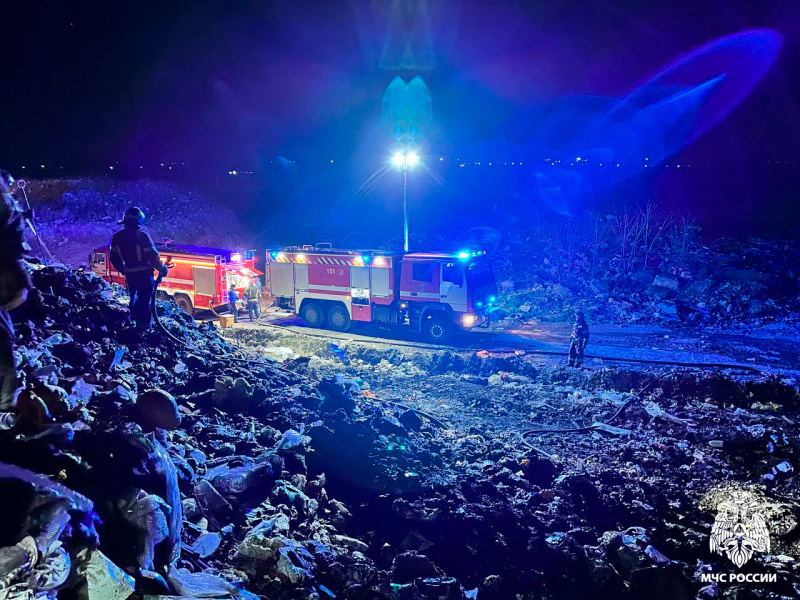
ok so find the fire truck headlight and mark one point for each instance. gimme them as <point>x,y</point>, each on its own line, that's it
<point>469,320</point>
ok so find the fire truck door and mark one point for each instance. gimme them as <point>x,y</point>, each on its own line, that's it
<point>453,287</point>
<point>300,282</point>
<point>281,279</point>
<point>359,282</point>
<point>380,282</point>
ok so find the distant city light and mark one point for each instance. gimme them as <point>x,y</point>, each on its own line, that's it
<point>441,158</point>
<point>331,161</point>
<point>111,167</point>
<point>42,166</point>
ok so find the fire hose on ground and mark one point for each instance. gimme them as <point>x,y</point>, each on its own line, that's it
<point>596,426</point>
<point>193,348</point>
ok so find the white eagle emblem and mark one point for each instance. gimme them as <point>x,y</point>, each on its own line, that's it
<point>739,530</point>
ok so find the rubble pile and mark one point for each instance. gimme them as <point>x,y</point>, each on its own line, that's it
<point>617,509</point>
<point>148,468</point>
<point>171,470</point>
<point>727,284</point>
<point>76,216</point>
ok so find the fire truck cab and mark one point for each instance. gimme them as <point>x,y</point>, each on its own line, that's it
<point>198,277</point>
<point>436,293</point>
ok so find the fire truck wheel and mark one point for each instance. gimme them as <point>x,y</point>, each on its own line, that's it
<point>438,329</point>
<point>313,314</point>
<point>338,319</point>
<point>184,303</point>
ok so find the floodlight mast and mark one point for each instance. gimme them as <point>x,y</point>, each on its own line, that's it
<point>405,161</point>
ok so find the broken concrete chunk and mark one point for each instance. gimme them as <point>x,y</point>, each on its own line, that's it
<point>105,580</point>
<point>665,282</point>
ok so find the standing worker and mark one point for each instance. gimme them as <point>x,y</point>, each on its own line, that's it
<point>578,340</point>
<point>252,296</point>
<point>14,286</point>
<point>133,254</point>
<point>233,299</point>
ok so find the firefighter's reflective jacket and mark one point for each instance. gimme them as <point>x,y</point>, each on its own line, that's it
<point>133,251</point>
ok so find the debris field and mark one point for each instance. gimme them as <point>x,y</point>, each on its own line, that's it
<point>147,468</point>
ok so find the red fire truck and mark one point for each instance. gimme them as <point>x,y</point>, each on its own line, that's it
<point>437,293</point>
<point>198,277</point>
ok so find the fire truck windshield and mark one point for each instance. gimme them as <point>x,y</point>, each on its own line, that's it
<point>480,279</point>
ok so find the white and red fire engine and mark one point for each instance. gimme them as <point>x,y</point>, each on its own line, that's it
<point>198,277</point>
<point>437,293</point>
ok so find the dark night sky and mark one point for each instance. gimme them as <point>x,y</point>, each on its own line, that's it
<point>233,84</point>
<point>221,81</point>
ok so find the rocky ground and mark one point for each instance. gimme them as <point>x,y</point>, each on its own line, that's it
<point>266,463</point>
<point>719,285</point>
<point>271,464</point>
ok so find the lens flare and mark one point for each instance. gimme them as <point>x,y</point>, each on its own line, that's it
<point>665,114</point>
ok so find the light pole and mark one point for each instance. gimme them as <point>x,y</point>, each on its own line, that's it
<point>405,160</point>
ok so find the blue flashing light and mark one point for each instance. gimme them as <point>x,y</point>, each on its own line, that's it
<point>274,254</point>
<point>480,304</point>
<point>464,254</point>
<point>492,299</point>
<point>366,258</point>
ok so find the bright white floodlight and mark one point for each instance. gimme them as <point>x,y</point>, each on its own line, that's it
<point>412,159</point>
<point>398,159</point>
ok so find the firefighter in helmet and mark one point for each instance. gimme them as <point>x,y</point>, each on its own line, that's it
<point>133,254</point>
<point>14,286</point>
<point>578,340</point>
